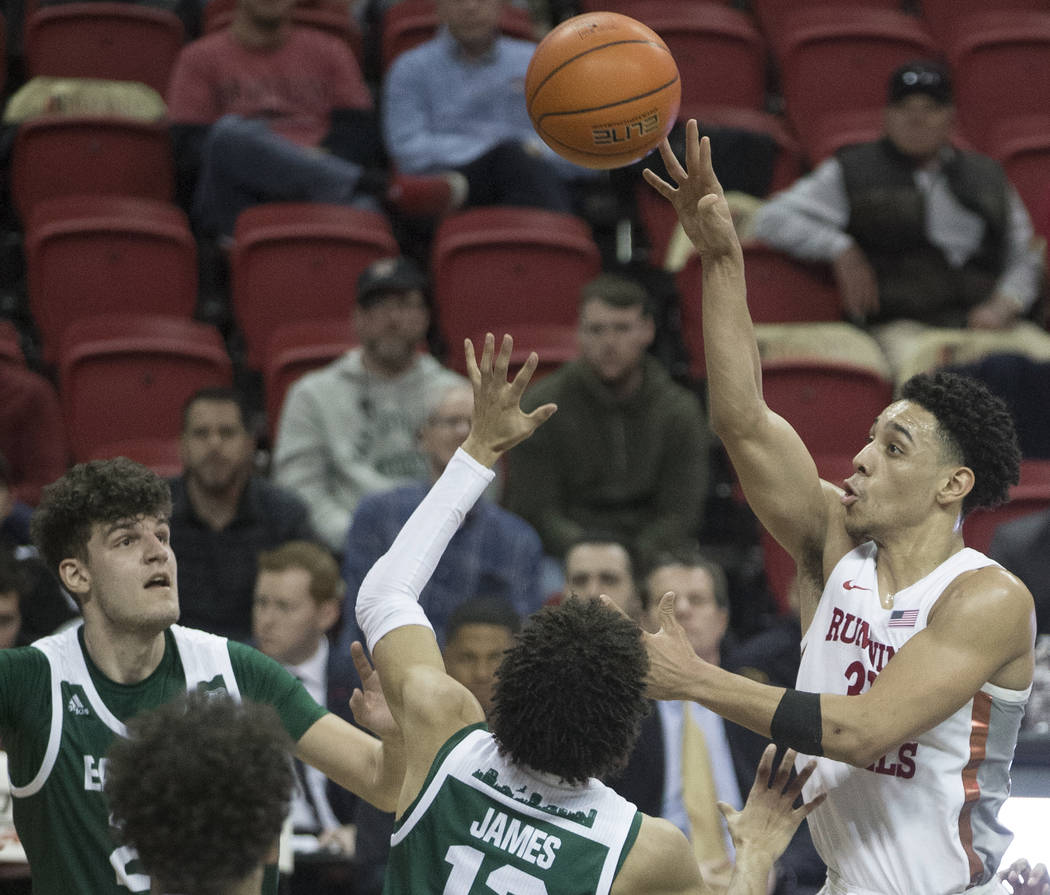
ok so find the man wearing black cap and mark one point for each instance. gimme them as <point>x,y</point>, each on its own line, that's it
<point>351,428</point>
<point>930,245</point>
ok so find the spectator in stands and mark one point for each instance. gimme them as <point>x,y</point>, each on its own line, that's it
<point>494,552</point>
<point>627,451</point>
<point>188,11</point>
<point>931,247</point>
<point>267,110</point>
<point>596,564</point>
<point>298,598</point>
<point>223,515</point>
<point>351,429</point>
<point>32,433</point>
<point>457,103</point>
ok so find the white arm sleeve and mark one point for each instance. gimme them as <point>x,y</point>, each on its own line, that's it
<point>389,595</point>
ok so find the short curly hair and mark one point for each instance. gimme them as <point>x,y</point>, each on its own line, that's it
<point>200,788</point>
<point>100,491</point>
<point>977,430</point>
<point>569,696</point>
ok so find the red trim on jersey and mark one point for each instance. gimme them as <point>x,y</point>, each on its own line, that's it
<point>982,710</point>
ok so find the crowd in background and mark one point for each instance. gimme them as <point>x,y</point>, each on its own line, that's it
<point>929,247</point>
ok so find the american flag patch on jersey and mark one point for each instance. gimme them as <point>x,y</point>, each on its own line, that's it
<point>903,618</point>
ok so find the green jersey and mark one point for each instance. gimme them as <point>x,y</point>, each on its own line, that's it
<point>58,716</point>
<point>483,825</point>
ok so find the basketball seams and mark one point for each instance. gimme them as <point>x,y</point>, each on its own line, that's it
<point>619,102</point>
<point>581,54</point>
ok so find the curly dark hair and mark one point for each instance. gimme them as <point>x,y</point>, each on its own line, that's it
<point>200,788</point>
<point>100,491</point>
<point>569,696</point>
<point>977,429</point>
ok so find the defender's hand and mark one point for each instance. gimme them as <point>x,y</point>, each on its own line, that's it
<point>499,423</point>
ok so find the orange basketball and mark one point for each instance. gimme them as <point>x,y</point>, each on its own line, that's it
<point>602,89</point>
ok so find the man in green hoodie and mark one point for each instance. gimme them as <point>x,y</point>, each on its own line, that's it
<point>628,450</point>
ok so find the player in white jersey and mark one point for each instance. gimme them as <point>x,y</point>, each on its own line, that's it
<point>917,748</point>
<point>519,809</point>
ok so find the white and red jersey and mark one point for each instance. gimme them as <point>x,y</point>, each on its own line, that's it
<point>922,819</point>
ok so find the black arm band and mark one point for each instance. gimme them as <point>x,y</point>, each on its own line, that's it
<point>797,722</point>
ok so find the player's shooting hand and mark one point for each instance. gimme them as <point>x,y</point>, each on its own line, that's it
<point>499,423</point>
<point>697,196</point>
<point>367,701</point>
<point>764,827</point>
<point>1023,879</point>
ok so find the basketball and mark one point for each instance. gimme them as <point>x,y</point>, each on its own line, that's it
<point>602,90</point>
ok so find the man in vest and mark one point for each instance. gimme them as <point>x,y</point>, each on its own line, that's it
<point>931,247</point>
<point>103,528</point>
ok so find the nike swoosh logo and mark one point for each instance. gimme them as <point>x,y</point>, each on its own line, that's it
<point>849,585</point>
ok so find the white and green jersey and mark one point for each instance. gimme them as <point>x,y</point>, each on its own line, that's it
<point>58,716</point>
<point>483,825</point>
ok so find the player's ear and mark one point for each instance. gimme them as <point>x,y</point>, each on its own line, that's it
<point>75,577</point>
<point>958,484</point>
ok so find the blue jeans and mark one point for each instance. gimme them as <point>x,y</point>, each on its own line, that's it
<point>243,163</point>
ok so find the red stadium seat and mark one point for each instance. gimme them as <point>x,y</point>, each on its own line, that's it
<point>299,261</point>
<point>779,290</point>
<point>10,344</point>
<point>1022,146</point>
<point>831,405</point>
<point>999,61</point>
<point>834,59</point>
<point>769,12</point>
<point>116,41</point>
<point>411,22</point>
<point>296,348</point>
<point>980,525</point>
<point>503,266</point>
<point>61,156</point>
<point>943,17</point>
<point>88,255</point>
<point>159,454</point>
<point>720,53</point>
<point>554,343</point>
<point>126,377</point>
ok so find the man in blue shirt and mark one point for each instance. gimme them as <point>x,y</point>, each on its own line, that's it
<point>457,103</point>
<point>494,553</point>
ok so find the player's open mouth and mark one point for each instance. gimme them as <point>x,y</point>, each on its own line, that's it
<point>851,496</point>
<point>159,580</point>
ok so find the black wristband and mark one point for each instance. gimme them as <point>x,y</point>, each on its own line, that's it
<point>797,722</point>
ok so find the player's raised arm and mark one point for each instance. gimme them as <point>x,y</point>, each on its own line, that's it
<point>778,476</point>
<point>427,704</point>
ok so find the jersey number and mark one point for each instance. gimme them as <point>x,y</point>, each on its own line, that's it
<point>505,880</point>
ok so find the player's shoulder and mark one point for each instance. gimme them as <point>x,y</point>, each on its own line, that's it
<point>989,591</point>
<point>661,862</point>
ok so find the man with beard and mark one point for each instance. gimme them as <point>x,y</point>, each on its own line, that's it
<point>223,515</point>
<point>352,427</point>
<point>627,453</point>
